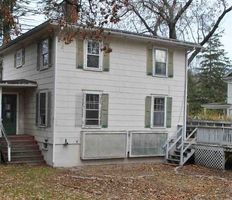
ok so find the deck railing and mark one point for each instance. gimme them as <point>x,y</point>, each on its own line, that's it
<point>7,142</point>
<point>214,135</point>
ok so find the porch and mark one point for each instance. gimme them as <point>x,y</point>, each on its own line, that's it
<point>208,143</point>
<point>17,146</point>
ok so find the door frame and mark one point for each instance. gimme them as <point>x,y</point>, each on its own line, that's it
<point>17,109</point>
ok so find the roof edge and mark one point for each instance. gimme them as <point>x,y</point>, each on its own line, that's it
<point>116,32</point>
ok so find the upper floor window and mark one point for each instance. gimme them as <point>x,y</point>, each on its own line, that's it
<point>160,62</point>
<point>19,58</point>
<point>93,57</point>
<point>44,54</point>
<point>1,68</point>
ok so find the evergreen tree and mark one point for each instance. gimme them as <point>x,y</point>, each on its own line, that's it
<point>214,65</point>
<point>207,85</point>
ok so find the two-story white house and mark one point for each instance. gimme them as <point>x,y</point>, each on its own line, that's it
<point>83,105</point>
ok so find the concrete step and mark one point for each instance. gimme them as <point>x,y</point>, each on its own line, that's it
<point>23,152</point>
<point>22,147</point>
<point>20,142</point>
<point>32,162</point>
<point>26,157</point>
<point>173,161</point>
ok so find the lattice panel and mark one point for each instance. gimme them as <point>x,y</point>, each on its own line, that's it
<point>210,156</point>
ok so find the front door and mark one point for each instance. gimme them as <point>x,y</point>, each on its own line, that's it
<point>9,113</point>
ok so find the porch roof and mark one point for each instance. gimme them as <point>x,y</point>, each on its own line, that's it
<point>216,106</point>
<point>18,83</point>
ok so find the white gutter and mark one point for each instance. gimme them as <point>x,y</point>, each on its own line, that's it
<point>183,138</point>
<point>18,85</point>
<point>54,102</point>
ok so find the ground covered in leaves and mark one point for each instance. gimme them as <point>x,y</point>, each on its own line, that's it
<point>111,182</point>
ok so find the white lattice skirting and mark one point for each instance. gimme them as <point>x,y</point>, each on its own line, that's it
<point>210,156</point>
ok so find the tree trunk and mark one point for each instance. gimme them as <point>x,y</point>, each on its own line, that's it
<point>172,31</point>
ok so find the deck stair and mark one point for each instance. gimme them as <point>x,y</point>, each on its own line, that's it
<point>24,150</point>
<point>180,149</point>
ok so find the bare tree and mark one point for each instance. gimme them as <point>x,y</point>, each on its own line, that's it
<point>190,20</point>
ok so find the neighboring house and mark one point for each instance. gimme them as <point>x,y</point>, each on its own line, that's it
<point>228,79</point>
<point>82,104</point>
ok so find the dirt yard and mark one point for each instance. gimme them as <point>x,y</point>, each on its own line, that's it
<point>113,182</point>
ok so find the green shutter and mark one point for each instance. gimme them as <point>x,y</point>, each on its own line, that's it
<point>170,63</point>
<point>15,59</point>
<point>80,53</point>
<point>38,56</point>
<point>23,56</point>
<point>106,59</point>
<point>104,110</point>
<point>50,55</point>
<point>149,60</point>
<point>169,112</point>
<point>49,114</point>
<point>36,108</point>
<point>148,112</point>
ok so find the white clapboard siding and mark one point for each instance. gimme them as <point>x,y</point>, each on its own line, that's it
<point>126,83</point>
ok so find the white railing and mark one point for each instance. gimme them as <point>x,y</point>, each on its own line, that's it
<point>7,142</point>
<point>219,136</point>
<point>170,147</point>
<point>185,144</point>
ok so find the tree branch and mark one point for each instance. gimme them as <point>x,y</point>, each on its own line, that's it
<point>144,21</point>
<point>182,10</point>
<point>193,55</point>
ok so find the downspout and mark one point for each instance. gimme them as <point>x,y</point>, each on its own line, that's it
<point>185,109</point>
<point>54,103</point>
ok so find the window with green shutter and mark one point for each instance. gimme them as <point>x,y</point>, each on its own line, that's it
<point>95,109</point>
<point>44,54</point>
<point>91,55</point>
<point>43,108</point>
<point>158,112</point>
<point>159,62</point>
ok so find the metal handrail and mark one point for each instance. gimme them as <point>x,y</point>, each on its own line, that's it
<point>7,142</point>
<point>168,148</point>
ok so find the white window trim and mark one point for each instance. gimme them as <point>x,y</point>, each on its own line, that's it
<point>84,110</point>
<point>152,111</point>
<point>153,62</point>
<point>46,116</point>
<point>100,64</point>
<point>21,58</point>
<point>41,66</point>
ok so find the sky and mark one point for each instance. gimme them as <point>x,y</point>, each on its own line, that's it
<point>227,37</point>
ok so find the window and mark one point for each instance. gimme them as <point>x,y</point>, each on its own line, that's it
<point>93,55</point>
<point>42,108</point>
<point>159,112</point>
<point>92,109</point>
<point>1,68</point>
<point>44,54</point>
<point>160,64</point>
<point>19,58</point>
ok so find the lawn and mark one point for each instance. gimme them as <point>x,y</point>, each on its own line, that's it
<point>111,182</point>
